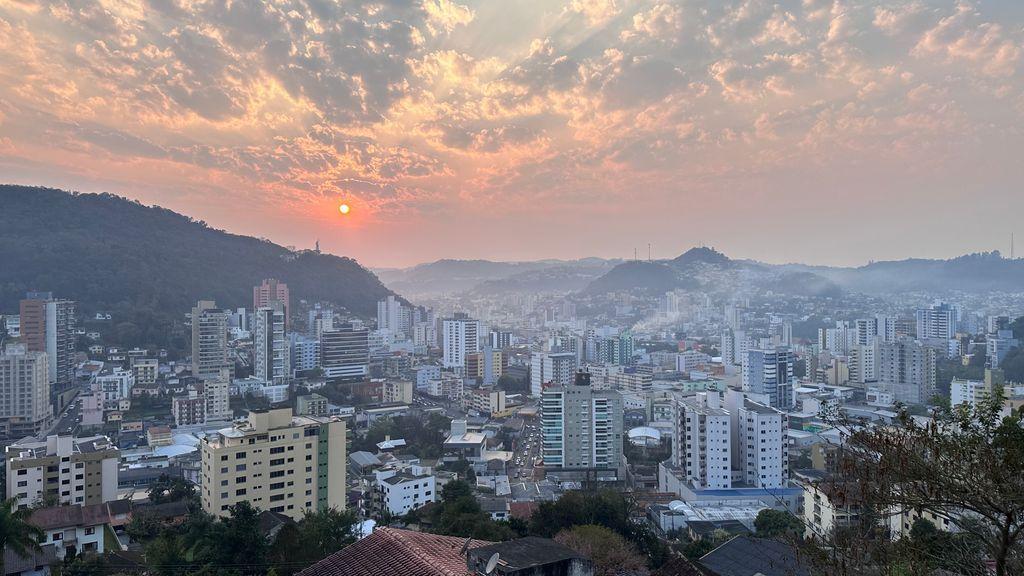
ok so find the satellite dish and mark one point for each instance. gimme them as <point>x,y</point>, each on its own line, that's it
<point>492,563</point>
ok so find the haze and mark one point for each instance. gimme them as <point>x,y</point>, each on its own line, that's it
<point>816,131</point>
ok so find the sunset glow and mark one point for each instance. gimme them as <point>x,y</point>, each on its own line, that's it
<point>650,121</point>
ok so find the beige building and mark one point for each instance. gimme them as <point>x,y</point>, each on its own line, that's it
<point>277,462</point>
<point>217,391</point>
<point>24,392</point>
<point>146,370</point>
<point>484,400</point>
<point>209,340</point>
<point>63,468</point>
<point>397,391</point>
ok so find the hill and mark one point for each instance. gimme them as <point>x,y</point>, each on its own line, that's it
<point>148,265</point>
<point>708,270</point>
<point>488,276</point>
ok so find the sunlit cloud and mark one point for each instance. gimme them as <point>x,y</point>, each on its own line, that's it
<point>412,113</point>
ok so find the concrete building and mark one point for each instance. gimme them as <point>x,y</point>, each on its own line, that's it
<point>217,391</point>
<point>759,434</point>
<point>863,363</point>
<point>72,530</point>
<point>48,325</point>
<point>311,405</point>
<point>271,353</point>
<point>272,291</point>
<point>209,340</point>
<point>396,391</point>
<point>582,431</point>
<point>484,400</point>
<point>906,369</point>
<point>345,352</point>
<point>189,408</point>
<point>701,443</point>
<point>115,383</point>
<point>25,408</point>
<point>460,337</point>
<point>67,469</point>
<point>146,370</point>
<point>277,462</point>
<point>426,373</point>
<point>937,322</point>
<point>305,352</point>
<point>558,368</point>
<point>393,316</point>
<point>770,373</point>
<point>402,492</point>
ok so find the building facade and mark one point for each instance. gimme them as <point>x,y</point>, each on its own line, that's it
<point>277,462</point>
<point>582,431</point>
<point>65,469</point>
<point>271,353</point>
<point>345,352</point>
<point>209,339</point>
<point>25,408</point>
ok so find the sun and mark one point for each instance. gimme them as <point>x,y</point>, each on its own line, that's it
<point>344,209</point>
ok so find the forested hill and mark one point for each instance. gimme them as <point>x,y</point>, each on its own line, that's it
<point>114,254</point>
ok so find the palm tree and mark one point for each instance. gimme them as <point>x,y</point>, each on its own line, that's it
<point>15,531</point>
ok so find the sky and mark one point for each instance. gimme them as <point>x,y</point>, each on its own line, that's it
<point>820,131</point>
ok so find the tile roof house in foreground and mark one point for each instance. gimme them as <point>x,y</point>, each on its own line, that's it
<point>394,552</point>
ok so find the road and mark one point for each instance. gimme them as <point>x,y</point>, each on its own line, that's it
<point>70,420</point>
<point>527,451</point>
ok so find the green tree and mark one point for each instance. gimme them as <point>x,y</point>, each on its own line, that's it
<point>16,532</point>
<point>166,555</point>
<point>235,542</point>
<point>610,552</point>
<point>85,565</point>
<point>774,523</point>
<point>168,489</point>
<point>964,465</point>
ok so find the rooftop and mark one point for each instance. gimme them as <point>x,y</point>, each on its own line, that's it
<point>748,556</point>
<point>526,553</point>
<point>394,552</point>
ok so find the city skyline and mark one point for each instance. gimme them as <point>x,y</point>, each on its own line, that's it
<point>821,132</point>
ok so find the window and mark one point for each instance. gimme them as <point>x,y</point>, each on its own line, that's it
<point>277,450</point>
<point>58,536</point>
<point>90,531</point>
<point>240,492</point>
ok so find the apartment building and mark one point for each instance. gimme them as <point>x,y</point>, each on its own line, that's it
<point>277,462</point>
<point>67,469</point>
<point>399,493</point>
<point>701,443</point>
<point>582,430</point>
<point>209,339</point>
<point>25,408</point>
<point>397,391</point>
<point>484,400</point>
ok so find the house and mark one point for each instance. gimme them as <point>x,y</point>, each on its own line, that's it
<point>498,508</point>
<point>394,552</point>
<point>748,556</point>
<point>37,563</point>
<point>73,528</point>
<point>529,556</point>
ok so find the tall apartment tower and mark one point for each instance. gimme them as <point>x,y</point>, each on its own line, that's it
<point>558,368</point>
<point>906,368</point>
<point>269,291</point>
<point>761,453</point>
<point>345,352</point>
<point>701,446</point>
<point>582,437</point>
<point>48,325</point>
<point>209,340</point>
<point>939,321</point>
<point>460,337</point>
<point>276,462</point>
<point>272,357</point>
<point>25,408</point>
<point>770,373</point>
<point>393,316</point>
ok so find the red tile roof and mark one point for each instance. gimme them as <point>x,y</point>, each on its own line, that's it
<point>522,510</point>
<point>394,552</point>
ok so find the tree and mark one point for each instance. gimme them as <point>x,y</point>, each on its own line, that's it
<point>168,489</point>
<point>313,538</point>
<point>610,552</point>
<point>16,532</point>
<point>964,465</point>
<point>235,541</point>
<point>774,523</point>
<point>165,555</point>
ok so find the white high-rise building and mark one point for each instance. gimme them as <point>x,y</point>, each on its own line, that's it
<point>863,363</point>
<point>345,352</point>
<point>393,316</point>
<point>461,337</point>
<point>770,373</point>
<point>558,368</point>
<point>906,369</point>
<point>272,357</point>
<point>762,455</point>
<point>701,443</point>
<point>939,321</point>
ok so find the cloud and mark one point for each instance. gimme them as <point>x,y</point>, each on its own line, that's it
<point>419,108</point>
